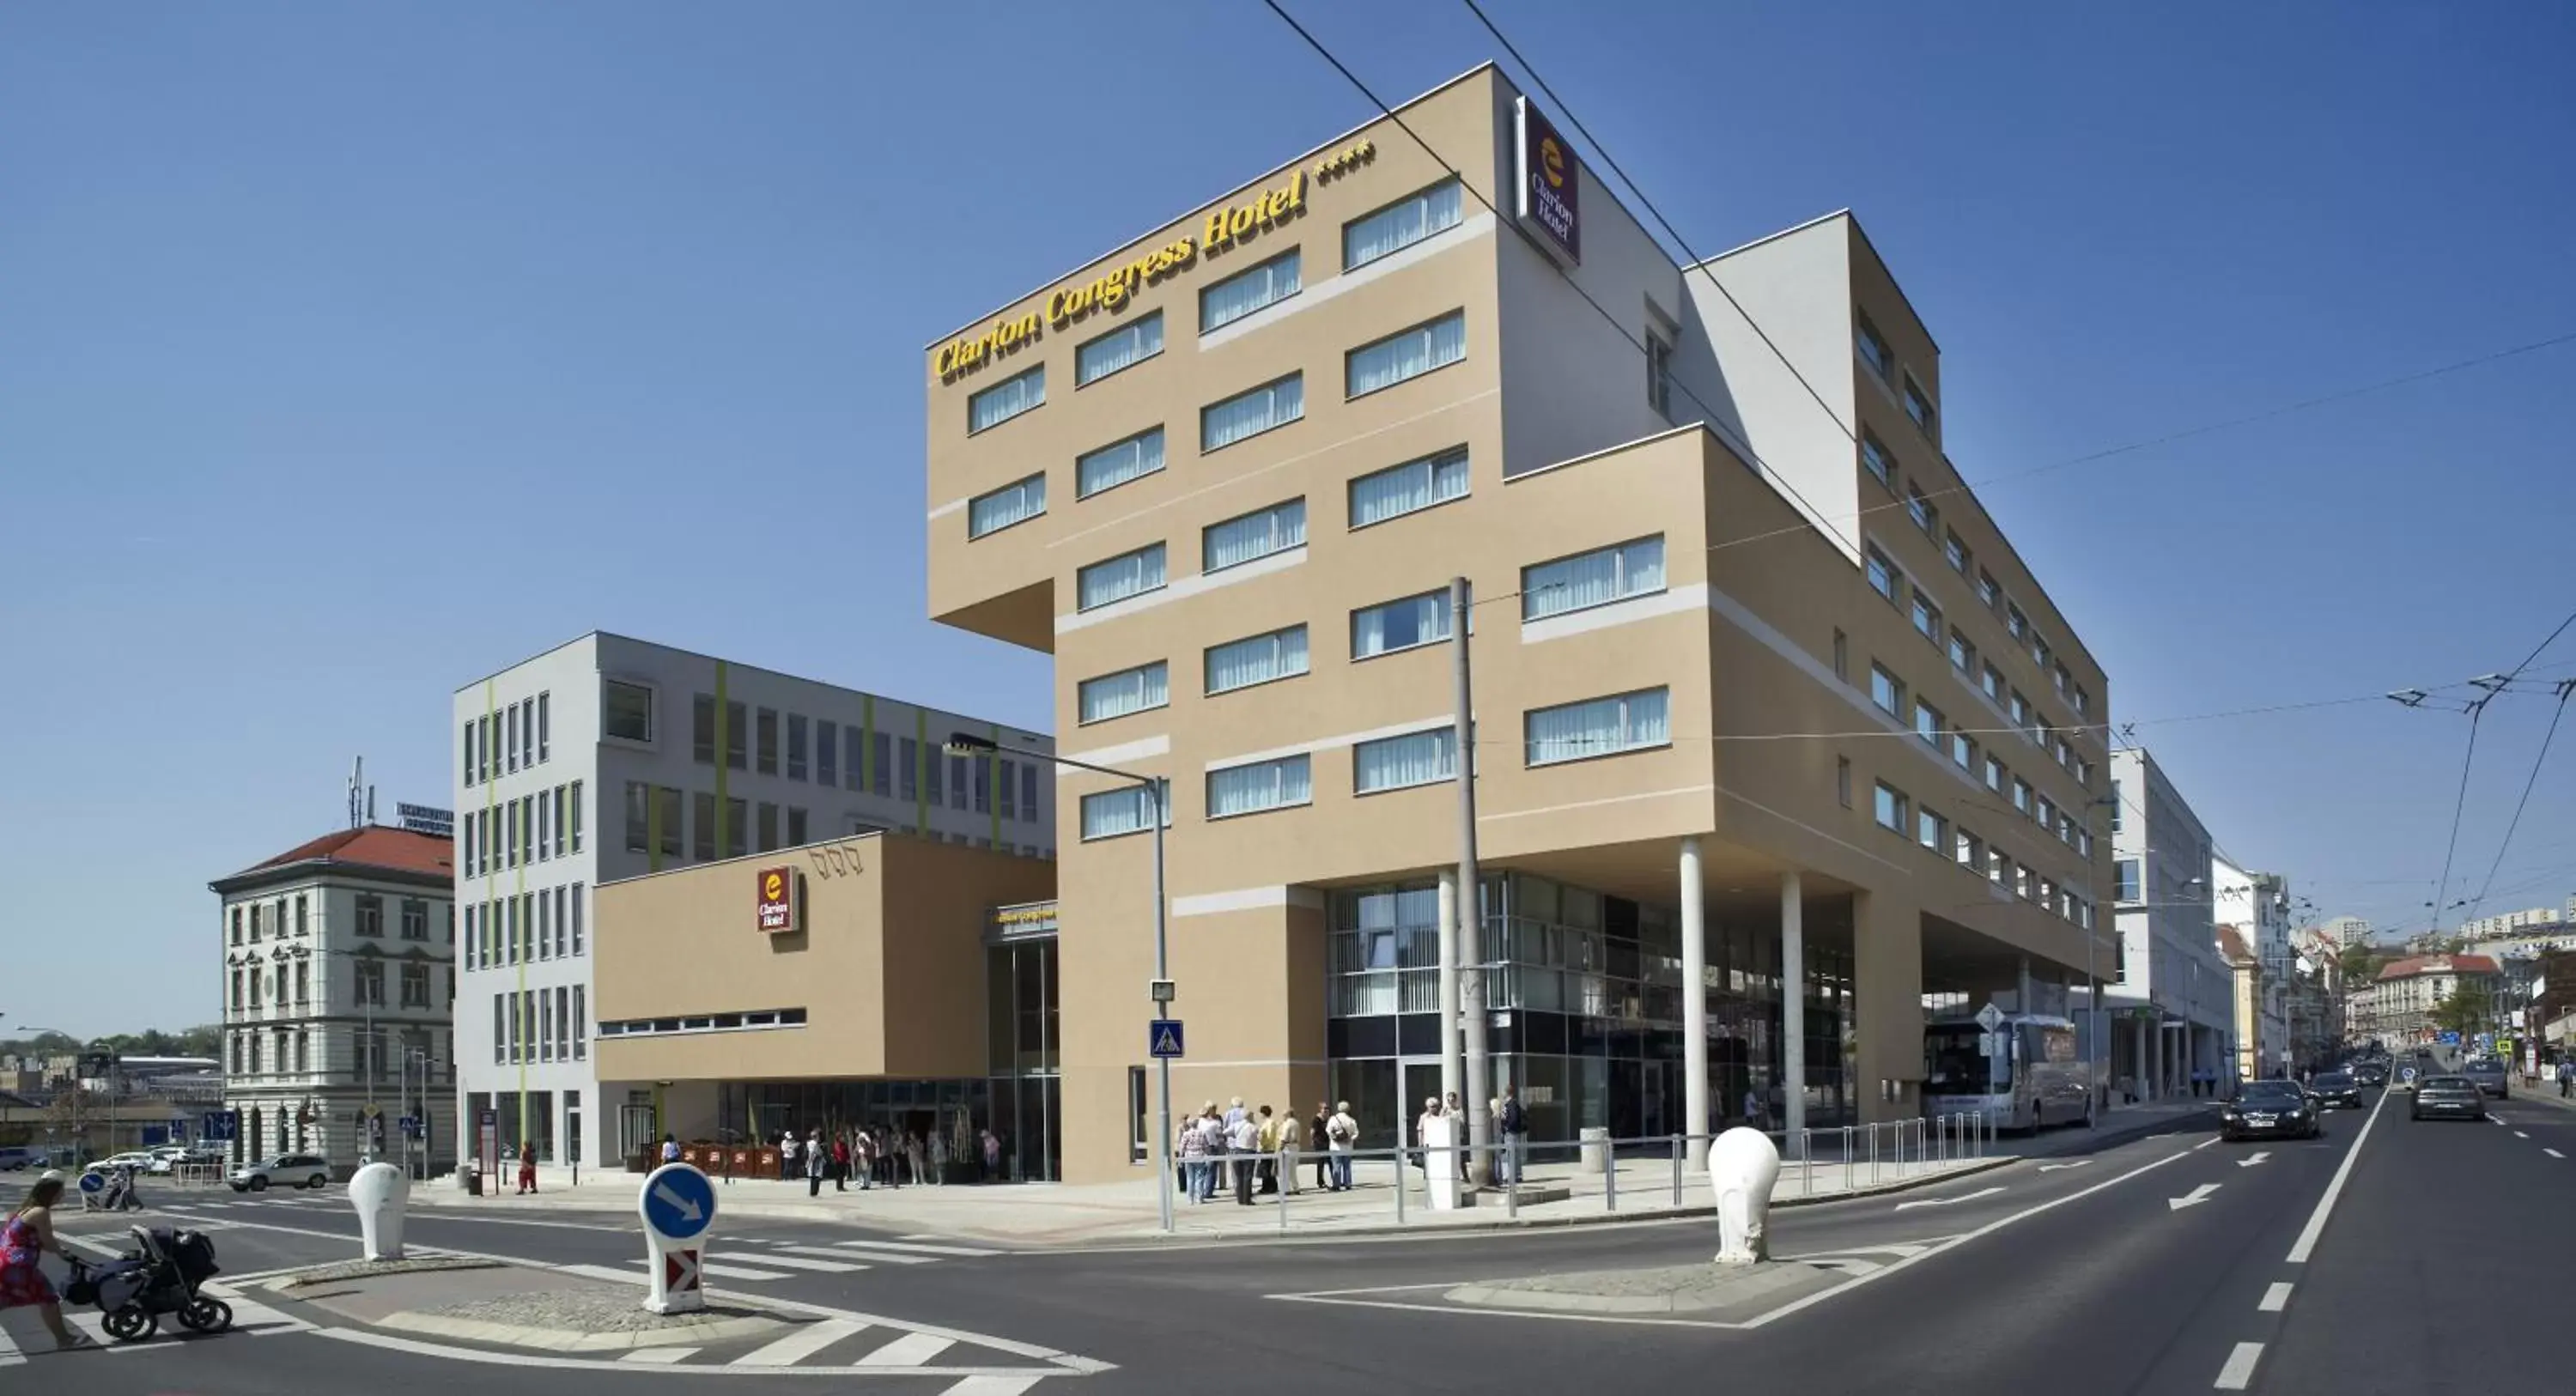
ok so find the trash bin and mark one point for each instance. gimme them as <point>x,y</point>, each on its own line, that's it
<point>470,1178</point>
<point>1596,1149</point>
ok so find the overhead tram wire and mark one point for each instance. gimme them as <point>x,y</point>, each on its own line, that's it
<point>2468,759</point>
<point>2564,688</point>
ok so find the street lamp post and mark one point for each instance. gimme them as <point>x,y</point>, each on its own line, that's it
<point>1156,797</point>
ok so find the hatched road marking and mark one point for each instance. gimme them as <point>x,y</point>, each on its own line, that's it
<point>800,1344</point>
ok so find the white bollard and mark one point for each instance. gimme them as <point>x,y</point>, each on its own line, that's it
<point>1743,1164</point>
<point>380,1192</point>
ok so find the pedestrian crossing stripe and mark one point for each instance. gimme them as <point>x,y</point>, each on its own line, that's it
<point>251,1319</point>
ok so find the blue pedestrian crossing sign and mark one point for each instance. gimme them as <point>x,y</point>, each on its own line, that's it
<point>678,1203</point>
<point>221,1125</point>
<point>1163,1038</point>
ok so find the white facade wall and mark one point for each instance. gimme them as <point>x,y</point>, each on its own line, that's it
<point>536,1086</point>
<point>2168,934</point>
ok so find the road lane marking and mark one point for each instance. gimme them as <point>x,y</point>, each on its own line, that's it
<point>2240,1367</point>
<point>2196,1148</point>
<point>2316,1226</point>
<point>924,1250</point>
<point>990,1386</point>
<point>1062,1364</point>
<point>2553,1153</point>
<point>2518,1134</point>
<point>2259,1156</point>
<point>800,1344</point>
<point>793,1262</point>
<point>2053,1167</point>
<point>2275,1299</point>
<point>910,1350</point>
<point>2193,1198</point>
<point>719,1270</point>
<point>1950,1201</point>
<point>658,1357</point>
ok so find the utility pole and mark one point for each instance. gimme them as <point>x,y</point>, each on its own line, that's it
<point>1471,955</point>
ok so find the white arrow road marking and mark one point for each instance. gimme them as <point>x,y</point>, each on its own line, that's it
<point>2193,1198</point>
<point>677,1203</point>
<point>1950,1201</point>
<point>2053,1167</point>
<point>2259,1156</point>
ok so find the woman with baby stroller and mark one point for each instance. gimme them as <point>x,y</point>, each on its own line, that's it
<point>161,1276</point>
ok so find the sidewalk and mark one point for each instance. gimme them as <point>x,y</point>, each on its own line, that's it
<point>1125,1212</point>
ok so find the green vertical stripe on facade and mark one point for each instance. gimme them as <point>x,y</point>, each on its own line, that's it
<point>993,783</point>
<point>921,772</point>
<point>724,759</point>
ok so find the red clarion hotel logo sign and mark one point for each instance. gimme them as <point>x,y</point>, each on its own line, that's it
<point>778,900</point>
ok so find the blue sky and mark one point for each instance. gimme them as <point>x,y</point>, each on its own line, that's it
<point>320,319</point>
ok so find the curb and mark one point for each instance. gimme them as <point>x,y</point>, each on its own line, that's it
<point>574,1339</point>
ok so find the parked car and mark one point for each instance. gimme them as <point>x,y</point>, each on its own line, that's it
<point>2336,1088</point>
<point>2488,1074</point>
<point>2447,1098</point>
<point>2268,1109</point>
<point>14,1159</point>
<point>286,1171</point>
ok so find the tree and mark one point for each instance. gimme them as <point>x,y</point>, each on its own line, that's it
<point>2360,964</point>
<point>2466,1010</point>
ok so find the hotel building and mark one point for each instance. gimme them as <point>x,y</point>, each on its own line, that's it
<point>1750,663</point>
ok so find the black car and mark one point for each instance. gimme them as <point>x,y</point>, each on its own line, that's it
<point>2270,1109</point>
<point>2336,1088</point>
<point>2371,1073</point>
<point>2447,1098</point>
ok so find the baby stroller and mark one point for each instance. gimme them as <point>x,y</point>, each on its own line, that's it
<point>160,1277</point>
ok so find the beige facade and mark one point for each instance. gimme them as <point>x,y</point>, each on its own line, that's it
<point>1771,582</point>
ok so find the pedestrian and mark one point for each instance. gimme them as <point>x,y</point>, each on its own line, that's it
<point>1753,1107</point>
<point>1457,1131</point>
<point>863,1158</point>
<point>938,1157</point>
<point>28,1234</point>
<point>2566,1079</point>
<point>1341,1134</point>
<point>1432,1109</point>
<point>818,1161</point>
<point>527,1166</point>
<point>992,1145</point>
<point>1214,1135</point>
<point>1315,1132</point>
<point>670,1149</point>
<point>1191,1149</point>
<point>1292,1133</point>
<point>1268,1167</point>
<point>841,1163</point>
<point>912,1156</point>
<point>1513,1122</point>
<point>786,1155</point>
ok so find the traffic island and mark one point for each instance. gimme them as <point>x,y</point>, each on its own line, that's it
<point>1718,1293</point>
<point>516,1306</point>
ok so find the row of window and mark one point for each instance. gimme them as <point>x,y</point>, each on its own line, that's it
<point>1406,355</point>
<point>269,918</point>
<point>1550,736</point>
<point>523,832</point>
<point>861,758</point>
<point>712,1022</point>
<point>251,984</point>
<point>541,1025</point>
<point>1897,813</point>
<point>518,736</point>
<point>1925,616</point>
<point>1888,693</point>
<point>1364,240</point>
<point>527,928</point>
<point>294,1051</point>
<point>1873,351</point>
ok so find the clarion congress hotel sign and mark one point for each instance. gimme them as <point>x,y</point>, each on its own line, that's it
<point>781,905</point>
<point>1112,290</point>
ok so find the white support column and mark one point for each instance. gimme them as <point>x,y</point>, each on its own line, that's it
<point>1695,1114</point>
<point>1451,1069</point>
<point>1793,1007</point>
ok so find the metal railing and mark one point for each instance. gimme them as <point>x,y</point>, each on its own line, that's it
<point>1823,1162</point>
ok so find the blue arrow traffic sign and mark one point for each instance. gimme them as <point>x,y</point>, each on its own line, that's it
<point>1163,1038</point>
<point>93,1182</point>
<point>222,1124</point>
<point>678,1202</point>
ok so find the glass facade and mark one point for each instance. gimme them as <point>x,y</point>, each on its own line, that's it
<point>1584,992</point>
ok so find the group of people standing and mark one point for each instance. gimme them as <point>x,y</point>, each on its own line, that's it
<point>1256,1150</point>
<point>878,1154</point>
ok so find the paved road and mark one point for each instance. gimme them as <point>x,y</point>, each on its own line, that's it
<point>2078,1268</point>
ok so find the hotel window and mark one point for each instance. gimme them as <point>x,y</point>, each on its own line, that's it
<point>1123,811</point>
<point>1246,415</point>
<point>1987,591</point>
<point>1927,617</point>
<point>1128,574</point>
<point>827,752</point>
<point>1029,793</point>
<point>2124,879</point>
<point>1968,849</point>
<point>2046,813</point>
<point>638,813</point>
<point>2039,652</point>
<point>1963,751</point>
<point>2082,700</point>
<point>576,816</point>
<point>1117,463</point>
<point>667,810</point>
<point>1993,683</point>
<point>1281,654</point>
<point>1930,830</point>
<point>1009,790</point>
<point>1917,405</point>
<point>626,711</point>
<point>2021,794</point>
<point>702,729</point>
<point>764,742</point>
<point>2025,716</point>
<point>796,746</point>
<point>702,831</point>
<point>545,726</point>
<point>1400,225</point>
<point>1006,399</point>
<point>1659,376</point>
<point>1927,723</point>
<point>1963,655</point>
<point>1954,552</point>
<point>795,827</point>
<point>2065,681</point>
<point>510,720</point>
<point>1404,355</point>
<point>1994,775</point>
<point>737,831</point>
<point>2015,623</point>
<point>1254,535</point>
<point>2065,828</point>
<point>1400,625</point>
<point>1842,656</point>
<point>957,786</point>
<point>1124,347</point>
<point>1998,866</point>
<point>1918,507</point>
<point>1595,578</point>
<point>1262,785</point>
<point>911,775</point>
<point>2065,754</point>
<point>1629,722</point>
<point>1887,691</point>
<point>1012,503</point>
<point>2084,842</point>
<point>1409,488</point>
<point>485,759</point>
<point>1873,350</point>
<point>737,741</point>
<point>1882,573</point>
<point>1395,763</point>
<point>1876,458</point>
<point>469,752</point>
<point>1249,290</point>
<point>1116,695</point>
<point>880,748</point>
<point>1842,780</point>
<point>768,827</point>
<point>1888,807</point>
<point>2116,803</point>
